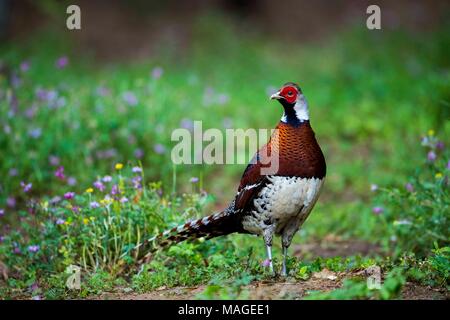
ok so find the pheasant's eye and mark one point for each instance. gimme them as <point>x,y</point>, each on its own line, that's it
<point>290,93</point>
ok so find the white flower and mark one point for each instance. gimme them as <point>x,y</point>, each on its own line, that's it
<point>402,222</point>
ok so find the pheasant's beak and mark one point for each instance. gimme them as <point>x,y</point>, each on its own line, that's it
<point>276,96</point>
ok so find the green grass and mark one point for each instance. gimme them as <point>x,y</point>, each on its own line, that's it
<point>372,96</point>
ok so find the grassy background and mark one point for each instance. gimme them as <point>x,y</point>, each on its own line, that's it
<point>372,96</point>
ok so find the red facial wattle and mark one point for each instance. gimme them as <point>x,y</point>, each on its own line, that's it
<point>289,93</point>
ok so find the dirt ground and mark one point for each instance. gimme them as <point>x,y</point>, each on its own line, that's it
<point>274,290</point>
<point>290,288</point>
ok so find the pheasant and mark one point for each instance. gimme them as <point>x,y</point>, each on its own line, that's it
<point>268,201</point>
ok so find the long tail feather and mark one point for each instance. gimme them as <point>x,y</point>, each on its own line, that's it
<point>211,226</point>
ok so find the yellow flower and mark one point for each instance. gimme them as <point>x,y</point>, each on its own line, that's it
<point>438,175</point>
<point>431,132</point>
<point>85,220</point>
<point>67,223</point>
<point>89,190</point>
<point>119,166</point>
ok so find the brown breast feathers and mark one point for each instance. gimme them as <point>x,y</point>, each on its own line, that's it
<point>298,153</point>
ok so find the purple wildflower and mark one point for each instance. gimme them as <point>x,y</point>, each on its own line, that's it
<point>159,148</point>
<point>25,66</point>
<point>123,199</point>
<point>13,172</point>
<point>51,95</point>
<point>377,210</point>
<point>106,154</point>
<point>71,181</point>
<point>53,160</point>
<point>62,62</point>
<point>33,248</point>
<point>266,263</point>
<point>373,187</point>
<point>41,94</point>
<point>103,91</point>
<point>60,221</point>
<point>69,195</point>
<point>76,209</point>
<point>194,180</point>
<point>115,189</point>
<point>187,124</point>
<point>138,153</point>
<point>38,297</point>
<point>130,98</point>
<point>59,173</point>
<point>15,80</point>
<point>7,129</point>
<point>26,186</point>
<point>157,72</point>
<point>55,200</point>
<point>431,156</point>
<point>94,205</point>
<point>136,182</point>
<point>448,165</point>
<point>222,99</point>
<point>131,139</point>
<point>136,169</point>
<point>14,107</point>
<point>99,185</point>
<point>409,187</point>
<point>208,96</point>
<point>34,287</point>
<point>440,145</point>
<point>16,250</point>
<point>11,202</point>
<point>110,153</point>
<point>59,103</point>
<point>107,179</point>
<point>35,133</point>
<point>31,111</point>
<point>2,212</point>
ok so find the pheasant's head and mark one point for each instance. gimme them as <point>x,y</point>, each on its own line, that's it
<point>294,103</point>
<point>287,94</point>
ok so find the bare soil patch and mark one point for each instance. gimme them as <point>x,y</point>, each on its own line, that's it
<point>333,246</point>
<point>272,290</point>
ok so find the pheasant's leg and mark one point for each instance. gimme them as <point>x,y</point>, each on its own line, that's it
<point>283,269</point>
<point>268,237</point>
<point>269,257</point>
<point>286,239</point>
